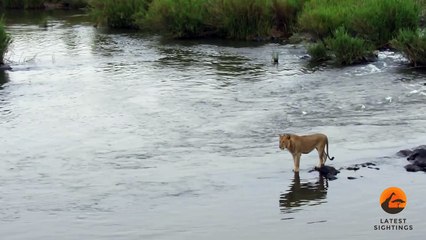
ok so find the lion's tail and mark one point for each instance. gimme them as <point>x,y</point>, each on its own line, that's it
<point>326,153</point>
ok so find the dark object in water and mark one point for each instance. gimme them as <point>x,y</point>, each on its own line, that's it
<point>356,167</point>
<point>5,67</point>
<point>416,157</point>
<point>328,172</point>
<point>351,178</point>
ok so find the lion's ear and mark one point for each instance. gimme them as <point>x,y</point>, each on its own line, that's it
<point>288,136</point>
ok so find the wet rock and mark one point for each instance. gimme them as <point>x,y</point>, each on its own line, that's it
<point>328,172</point>
<point>416,157</point>
<point>5,67</point>
<point>353,168</point>
<point>404,153</point>
<point>413,168</point>
<point>356,167</point>
<point>375,168</point>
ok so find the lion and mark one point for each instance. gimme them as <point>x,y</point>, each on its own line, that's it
<point>298,145</point>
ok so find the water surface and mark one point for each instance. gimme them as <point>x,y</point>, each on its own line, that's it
<point>122,135</point>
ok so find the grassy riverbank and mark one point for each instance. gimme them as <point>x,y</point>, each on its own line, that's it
<point>347,31</point>
<point>5,41</point>
<point>236,19</point>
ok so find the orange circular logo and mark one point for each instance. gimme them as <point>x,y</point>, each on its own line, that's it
<point>393,200</point>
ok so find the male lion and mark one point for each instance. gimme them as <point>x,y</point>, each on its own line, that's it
<point>297,145</point>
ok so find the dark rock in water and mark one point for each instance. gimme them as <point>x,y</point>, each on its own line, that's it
<point>404,153</point>
<point>5,67</point>
<point>375,168</point>
<point>418,154</point>
<point>354,168</point>
<point>328,172</point>
<point>413,168</point>
<point>351,178</point>
<point>416,157</point>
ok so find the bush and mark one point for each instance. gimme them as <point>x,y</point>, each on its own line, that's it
<point>347,49</point>
<point>237,19</point>
<point>179,18</point>
<point>377,21</point>
<point>318,52</point>
<point>413,45</point>
<point>240,19</point>
<point>118,13</point>
<point>5,41</point>
<point>285,13</point>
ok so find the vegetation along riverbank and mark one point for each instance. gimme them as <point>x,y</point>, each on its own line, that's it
<point>5,41</point>
<point>346,31</point>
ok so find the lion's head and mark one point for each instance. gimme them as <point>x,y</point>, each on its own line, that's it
<point>284,141</point>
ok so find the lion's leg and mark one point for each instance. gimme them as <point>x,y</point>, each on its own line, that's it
<point>296,159</point>
<point>322,158</point>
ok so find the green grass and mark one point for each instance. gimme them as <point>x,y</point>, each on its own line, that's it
<point>413,45</point>
<point>177,18</point>
<point>5,41</point>
<point>118,13</point>
<point>346,49</point>
<point>377,21</point>
<point>318,52</point>
<point>236,19</point>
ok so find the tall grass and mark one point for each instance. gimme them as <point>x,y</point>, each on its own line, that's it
<point>239,19</point>
<point>347,49</point>
<point>118,13</point>
<point>178,18</point>
<point>236,19</point>
<point>5,41</point>
<point>377,21</point>
<point>413,45</point>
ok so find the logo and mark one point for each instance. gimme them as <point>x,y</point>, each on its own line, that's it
<point>393,200</point>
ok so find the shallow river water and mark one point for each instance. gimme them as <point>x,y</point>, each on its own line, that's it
<point>121,135</point>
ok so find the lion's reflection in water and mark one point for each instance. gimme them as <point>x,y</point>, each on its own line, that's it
<point>305,193</point>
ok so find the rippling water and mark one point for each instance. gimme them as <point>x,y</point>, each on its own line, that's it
<point>120,135</point>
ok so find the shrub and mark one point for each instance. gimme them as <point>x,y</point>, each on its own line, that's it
<point>179,18</point>
<point>285,13</point>
<point>381,21</point>
<point>318,52</point>
<point>5,41</point>
<point>237,19</point>
<point>413,45</point>
<point>118,13</point>
<point>375,20</point>
<point>240,19</point>
<point>347,49</point>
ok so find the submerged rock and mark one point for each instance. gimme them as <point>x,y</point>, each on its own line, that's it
<point>416,157</point>
<point>356,167</point>
<point>328,172</point>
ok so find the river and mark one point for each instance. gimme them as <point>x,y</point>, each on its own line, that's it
<point>124,135</point>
